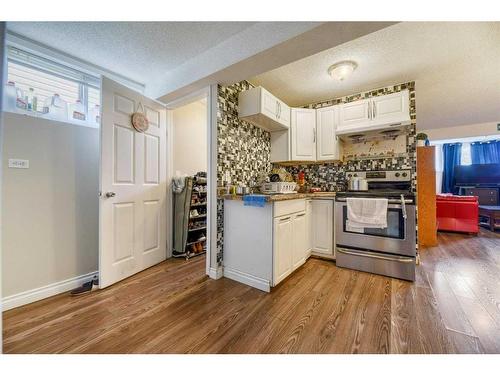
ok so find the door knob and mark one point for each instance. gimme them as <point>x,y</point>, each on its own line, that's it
<point>110,194</point>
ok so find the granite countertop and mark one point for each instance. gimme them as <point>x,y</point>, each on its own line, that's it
<point>285,197</point>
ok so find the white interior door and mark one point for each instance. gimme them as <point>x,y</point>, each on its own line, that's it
<point>132,229</point>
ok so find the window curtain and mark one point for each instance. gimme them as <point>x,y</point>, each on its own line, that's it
<point>451,158</point>
<point>485,152</point>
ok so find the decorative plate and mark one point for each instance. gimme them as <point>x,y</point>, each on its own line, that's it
<point>140,122</point>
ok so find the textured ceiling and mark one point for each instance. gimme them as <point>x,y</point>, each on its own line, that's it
<point>138,50</point>
<point>456,67</point>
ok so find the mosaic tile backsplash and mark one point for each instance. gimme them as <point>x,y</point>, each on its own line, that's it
<point>331,176</point>
<point>244,149</point>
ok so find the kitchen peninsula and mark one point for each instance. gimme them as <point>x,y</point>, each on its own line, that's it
<point>263,245</point>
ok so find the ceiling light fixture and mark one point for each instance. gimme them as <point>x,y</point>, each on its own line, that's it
<point>342,70</point>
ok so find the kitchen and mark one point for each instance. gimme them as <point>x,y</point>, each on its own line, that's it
<point>359,148</point>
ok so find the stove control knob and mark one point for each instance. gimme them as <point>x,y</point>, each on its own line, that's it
<point>405,174</point>
<point>349,175</point>
<point>355,175</point>
<point>397,174</point>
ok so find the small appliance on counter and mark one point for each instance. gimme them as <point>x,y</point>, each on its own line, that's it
<point>278,187</point>
<point>389,250</point>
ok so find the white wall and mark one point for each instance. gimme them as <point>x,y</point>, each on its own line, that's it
<point>51,210</point>
<point>190,138</point>
<point>2,80</point>
<point>463,131</point>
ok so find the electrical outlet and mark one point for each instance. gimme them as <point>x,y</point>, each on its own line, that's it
<point>19,163</point>
<point>498,127</point>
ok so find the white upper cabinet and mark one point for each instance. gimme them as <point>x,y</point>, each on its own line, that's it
<point>303,134</point>
<point>353,114</point>
<point>392,108</point>
<point>328,146</point>
<point>375,113</point>
<point>261,108</point>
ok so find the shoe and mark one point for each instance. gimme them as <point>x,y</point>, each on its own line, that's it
<point>193,248</point>
<point>86,287</point>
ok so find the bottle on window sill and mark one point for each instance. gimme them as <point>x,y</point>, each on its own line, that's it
<point>77,111</point>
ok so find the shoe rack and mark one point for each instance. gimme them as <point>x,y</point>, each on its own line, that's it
<point>197,224</point>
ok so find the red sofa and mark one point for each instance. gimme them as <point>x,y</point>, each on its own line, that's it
<point>457,213</point>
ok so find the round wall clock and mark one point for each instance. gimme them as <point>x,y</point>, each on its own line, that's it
<point>140,122</point>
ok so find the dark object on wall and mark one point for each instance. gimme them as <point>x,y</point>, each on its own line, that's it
<point>483,175</point>
<point>451,158</point>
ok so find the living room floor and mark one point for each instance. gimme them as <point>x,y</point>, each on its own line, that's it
<point>453,307</point>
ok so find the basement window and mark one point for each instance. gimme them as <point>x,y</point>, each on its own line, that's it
<point>47,89</point>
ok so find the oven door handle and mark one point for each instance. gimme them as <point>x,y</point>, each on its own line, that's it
<point>391,201</point>
<point>403,207</point>
<point>376,256</point>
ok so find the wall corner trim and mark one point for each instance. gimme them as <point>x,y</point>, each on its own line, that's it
<point>46,291</point>
<point>247,279</point>
<point>215,273</point>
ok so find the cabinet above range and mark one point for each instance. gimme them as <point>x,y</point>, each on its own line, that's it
<point>261,108</point>
<point>375,113</point>
<point>313,135</point>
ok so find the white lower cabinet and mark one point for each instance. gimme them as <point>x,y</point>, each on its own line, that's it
<point>282,248</point>
<point>299,229</point>
<point>263,245</point>
<point>290,244</point>
<point>300,241</point>
<point>322,228</point>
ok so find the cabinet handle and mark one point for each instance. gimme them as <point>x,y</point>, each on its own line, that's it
<point>314,135</point>
<point>374,114</point>
<point>300,215</point>
<point>285,218</point>
<point>369,110</point>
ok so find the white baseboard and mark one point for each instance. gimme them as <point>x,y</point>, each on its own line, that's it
<point>215,273</point>
<point>43,292</point>
<point>247,279</point>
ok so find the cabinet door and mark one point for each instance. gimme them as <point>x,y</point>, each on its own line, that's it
<point>322,226</point>
<point>283,242</point>
<point>392,108</point>
<point>328,144</point>
<point>309,227</point>
<point>300,240</point>
<point>283,113</point>
<point>353,115</point>
<point>303,134</point>
<point>269,104</point>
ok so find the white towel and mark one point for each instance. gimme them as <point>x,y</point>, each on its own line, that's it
<point>366,213</point>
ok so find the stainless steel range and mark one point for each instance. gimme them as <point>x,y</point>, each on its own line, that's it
<point>389,251</point>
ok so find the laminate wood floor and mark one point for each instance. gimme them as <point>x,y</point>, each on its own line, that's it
<point>453,307</point>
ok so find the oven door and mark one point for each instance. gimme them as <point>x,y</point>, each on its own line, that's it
<point>398,238</point>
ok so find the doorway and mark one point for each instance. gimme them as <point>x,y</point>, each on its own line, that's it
<point>191,155</point>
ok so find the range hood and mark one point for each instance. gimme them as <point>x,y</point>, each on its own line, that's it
<point>371,129</point>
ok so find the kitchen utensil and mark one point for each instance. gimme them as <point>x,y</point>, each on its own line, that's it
<point>275,177</point>
<point>357,184</point>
